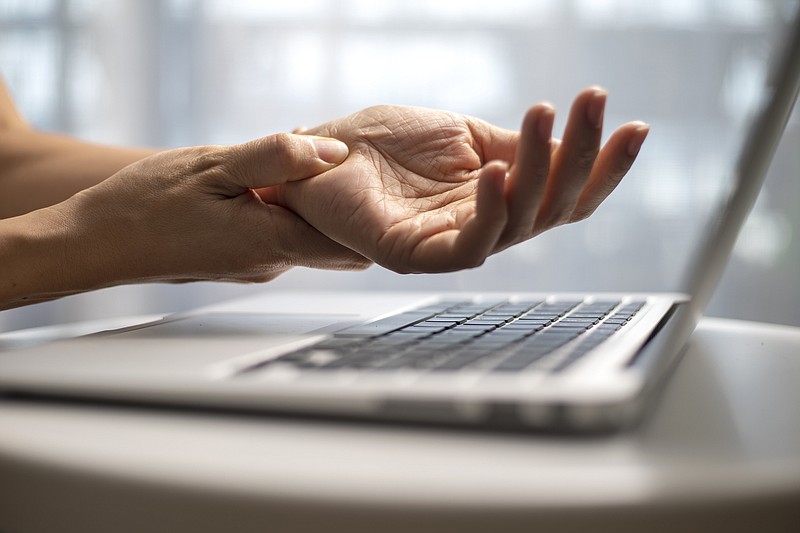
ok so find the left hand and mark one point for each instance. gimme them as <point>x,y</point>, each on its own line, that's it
<point>431,191</point>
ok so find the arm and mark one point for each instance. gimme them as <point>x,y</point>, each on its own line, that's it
<point>181,215</point>
<point>39,169</point>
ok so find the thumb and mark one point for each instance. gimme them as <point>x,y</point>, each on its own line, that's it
<point>282,157</point>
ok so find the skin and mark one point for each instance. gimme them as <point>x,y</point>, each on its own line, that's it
<point>415,190</point>
<point>431,191</point>
<point>181,215</point>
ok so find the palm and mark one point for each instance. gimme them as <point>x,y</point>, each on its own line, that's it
<point>411,176</point>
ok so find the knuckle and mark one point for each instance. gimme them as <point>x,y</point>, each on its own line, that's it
<point>282,140</point>
<point>552,220</point>
<point>284,151</point>
<point>207,164</point>
<point>617,174</point>
<point>207,159</point>
<point>584,159</point>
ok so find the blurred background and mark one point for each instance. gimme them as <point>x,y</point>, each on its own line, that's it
<point>183,72</point>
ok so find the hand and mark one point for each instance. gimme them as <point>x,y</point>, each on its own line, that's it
<point>430,191</point>
<point>190,214</point>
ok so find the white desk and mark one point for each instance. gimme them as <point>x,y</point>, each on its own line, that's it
<point>721,453</point>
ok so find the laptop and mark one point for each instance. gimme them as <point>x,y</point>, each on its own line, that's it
<point>551,362</point>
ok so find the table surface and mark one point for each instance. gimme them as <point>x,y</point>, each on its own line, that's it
<point>721,447</point>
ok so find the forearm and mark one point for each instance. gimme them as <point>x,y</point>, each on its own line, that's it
<point>74,247</point>
<point>40,169</point>
<point>37,261</point>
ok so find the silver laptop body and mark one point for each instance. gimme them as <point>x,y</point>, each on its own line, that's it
<point>383,357</point>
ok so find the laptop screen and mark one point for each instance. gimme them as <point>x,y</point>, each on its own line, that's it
<point>760,142</point>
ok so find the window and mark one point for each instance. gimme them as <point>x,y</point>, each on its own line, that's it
<point>182,72</point>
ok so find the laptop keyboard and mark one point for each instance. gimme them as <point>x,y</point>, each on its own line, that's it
<point>500,336</point>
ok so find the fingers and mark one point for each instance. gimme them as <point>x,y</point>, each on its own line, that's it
<point>613,162</point>
<point>550,183</point>
<point>480,234</point>
<point>493,143</point>
<point>528,176</point>
<point>573,161</point>
<point>554,181</point>
<point>475,241</point>
<point>273,160</point>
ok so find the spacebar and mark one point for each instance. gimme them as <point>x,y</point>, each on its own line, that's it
<point>384,325</point>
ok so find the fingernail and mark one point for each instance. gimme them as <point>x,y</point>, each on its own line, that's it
<point>331,150</point>
<point>594,110</point>
<point>545,126</point>
<point>637,139</point>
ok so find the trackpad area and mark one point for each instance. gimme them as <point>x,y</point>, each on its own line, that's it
<point>176,348</point>
<point>227,326</point>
